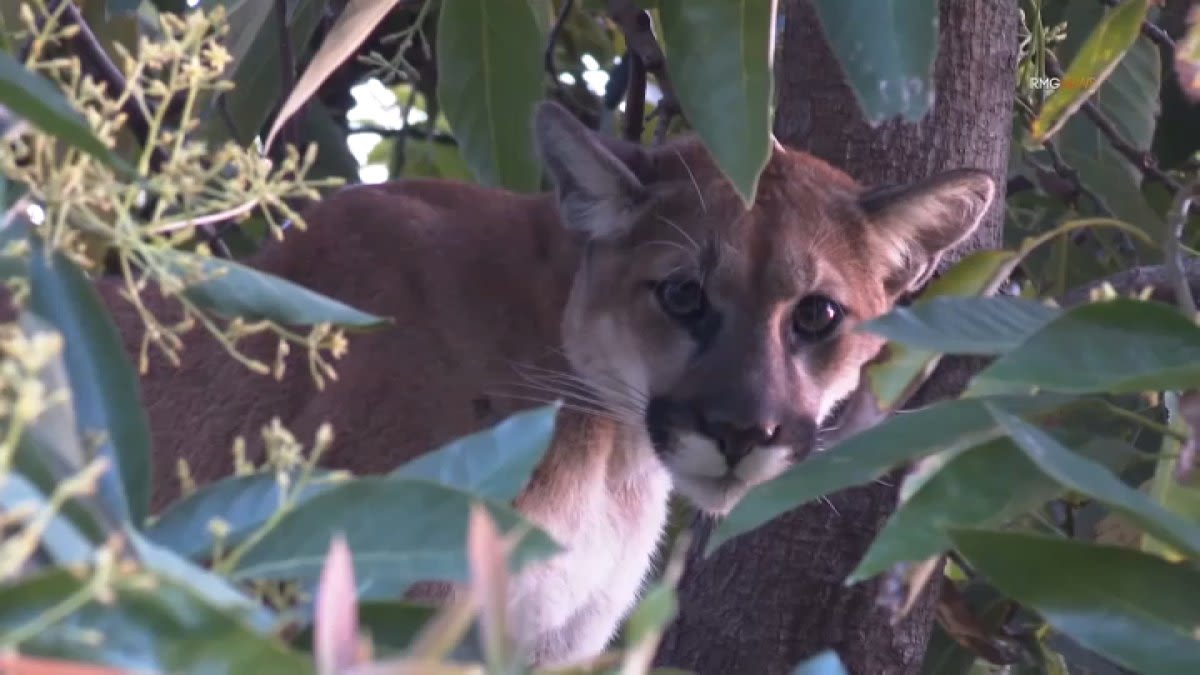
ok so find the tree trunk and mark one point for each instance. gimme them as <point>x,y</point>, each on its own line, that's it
<point>767,600</point>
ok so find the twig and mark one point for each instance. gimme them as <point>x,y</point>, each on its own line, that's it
<point>1068,173</point>
<point>407,131</point>
<point>1143,159</point>
<point>639,36</point>
<point>635,98</point>
<point>1158,278</point>
<point>552,39</point>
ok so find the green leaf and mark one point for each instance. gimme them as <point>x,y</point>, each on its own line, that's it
<point>495,463</point>
<point>1135,609</point>
<point>213,589</point>
<point>104,386</point>
<point>825,663</point>
<point>489,77</point>
<point>42,104</point>
<point>1116,346</point>
<point>886,48</point>
<point>232,289</point>
<point>979,273</point>
<point>152,624</point>
<point>1094,62</point>
<point>1086,477</point>
<point>243,503</point>
<point>964,325</point>
<point>725,92</point>
<point>982,486</point>
<point>400,531</point>
<point>868,455</point>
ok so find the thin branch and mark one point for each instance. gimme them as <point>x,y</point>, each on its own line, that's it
<point>635,98</point>
<point>639,36</point>
<point>407,131</point>
<point>1176,220</point>
<point>552,39</point>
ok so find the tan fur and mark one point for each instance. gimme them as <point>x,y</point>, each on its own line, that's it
<point>490,291</point>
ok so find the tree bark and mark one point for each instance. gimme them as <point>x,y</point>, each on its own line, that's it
<point>769,599</point>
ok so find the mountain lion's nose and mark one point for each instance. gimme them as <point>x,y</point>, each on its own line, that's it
<point>735,441</point>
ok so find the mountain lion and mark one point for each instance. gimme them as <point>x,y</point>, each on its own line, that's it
<point>699,345</point>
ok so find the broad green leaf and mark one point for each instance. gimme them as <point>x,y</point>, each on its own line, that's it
<point>1086,477</point>
<point>489,77</point>
<point>232,289</point>
<point>964,325</point>
<point>104,386</point>
<point>1133,608</point>
<point>151,624</point>
<point>866,456</point>
<point>65,544</point>
<point>825,663</point>
<point>1096,59</point>
<point>354,24</point>
<point>495,463</point>
<point>400,531</point>
<point>242,503</point>
<point>1116,346</point>
<point>210,587</point>
<point>725,92</point>
<point>978,274</point>
<point>35,99</point>
<point>982,486</point>
<point>886,48</point>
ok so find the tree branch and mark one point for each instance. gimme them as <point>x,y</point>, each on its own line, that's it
<point>639,36</point>
<point>635,98</point>
<point>407,131</point>
<point>1142,159</point>
<point>552,40</point>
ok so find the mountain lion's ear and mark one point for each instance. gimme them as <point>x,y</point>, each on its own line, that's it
<point>921,221</point>
<point>597,192</point>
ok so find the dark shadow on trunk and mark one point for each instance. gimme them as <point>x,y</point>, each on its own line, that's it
<point>767,600</point>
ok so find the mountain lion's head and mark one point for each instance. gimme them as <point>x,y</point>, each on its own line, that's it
<point>731,331</point>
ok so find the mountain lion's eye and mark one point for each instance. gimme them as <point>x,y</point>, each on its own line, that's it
<point>816,317</point>
<point>681,298</point>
